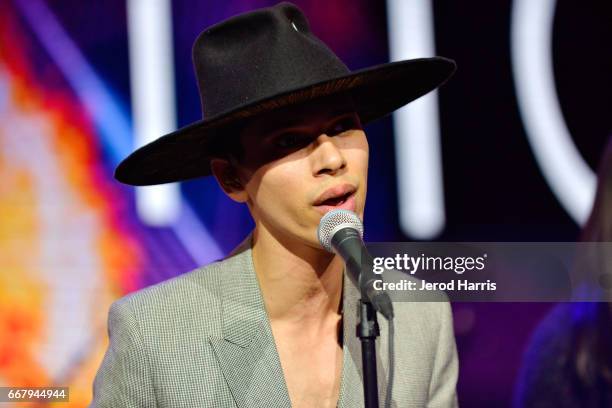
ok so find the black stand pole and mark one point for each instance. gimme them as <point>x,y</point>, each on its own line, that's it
<point>367,331</point>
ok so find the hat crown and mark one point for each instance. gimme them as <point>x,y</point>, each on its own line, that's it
<point>257,62</point>
<point>259,55</point>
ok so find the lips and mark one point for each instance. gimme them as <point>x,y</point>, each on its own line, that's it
<point>341,196</point>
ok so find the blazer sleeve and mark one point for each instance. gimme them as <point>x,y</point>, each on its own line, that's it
<point>124,378</point>
<point>443,385</point>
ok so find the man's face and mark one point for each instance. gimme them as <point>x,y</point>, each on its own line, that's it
<point>300,163</point>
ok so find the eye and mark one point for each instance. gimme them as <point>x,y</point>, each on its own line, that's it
<point>344,124</point>
<point>292,140</point>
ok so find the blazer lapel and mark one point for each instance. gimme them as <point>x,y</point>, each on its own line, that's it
<point>247,352</point>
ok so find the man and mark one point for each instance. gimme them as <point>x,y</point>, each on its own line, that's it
<point>273,324</point>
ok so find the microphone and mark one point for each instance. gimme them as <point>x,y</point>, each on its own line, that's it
<point>341,232</point>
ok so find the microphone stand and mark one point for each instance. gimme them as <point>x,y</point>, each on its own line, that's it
<point>367,331</point>
<point>348,244</point>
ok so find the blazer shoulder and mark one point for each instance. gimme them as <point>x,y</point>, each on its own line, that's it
<point>190,300</point>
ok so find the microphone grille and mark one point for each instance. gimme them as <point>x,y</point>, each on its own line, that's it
<point>335,220</point>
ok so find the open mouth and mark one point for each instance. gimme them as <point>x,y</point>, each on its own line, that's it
<point>338,197</point>
<point>336,201</point>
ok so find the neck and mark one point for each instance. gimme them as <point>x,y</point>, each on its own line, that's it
<point>299,284</point>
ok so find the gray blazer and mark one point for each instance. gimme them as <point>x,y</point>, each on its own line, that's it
<point>203,339</point>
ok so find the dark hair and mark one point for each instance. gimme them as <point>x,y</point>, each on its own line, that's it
<point>227,145</point>
<point>590,357</point>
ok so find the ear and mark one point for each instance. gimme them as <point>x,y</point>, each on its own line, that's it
<point>228,179</point>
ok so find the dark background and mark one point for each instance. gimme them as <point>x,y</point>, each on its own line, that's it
<point>493,188</point>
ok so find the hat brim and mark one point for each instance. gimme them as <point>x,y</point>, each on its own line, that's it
<point>375,91</point>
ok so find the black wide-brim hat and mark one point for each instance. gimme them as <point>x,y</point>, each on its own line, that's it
<point>264,60</point>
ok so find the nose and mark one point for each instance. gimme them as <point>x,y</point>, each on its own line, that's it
<point>328,158</point>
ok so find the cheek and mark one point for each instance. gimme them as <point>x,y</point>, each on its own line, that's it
<point>358,152</point>
<point>274,190</point>
<point>365,155</point>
